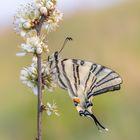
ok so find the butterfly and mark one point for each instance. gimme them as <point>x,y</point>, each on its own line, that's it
<point>83,80</point>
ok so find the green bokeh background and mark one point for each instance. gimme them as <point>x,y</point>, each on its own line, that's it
<point>110,37</point>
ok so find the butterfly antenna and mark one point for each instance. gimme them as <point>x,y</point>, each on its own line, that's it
<point>66,40</point>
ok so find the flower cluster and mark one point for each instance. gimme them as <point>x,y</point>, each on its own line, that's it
<point>29,77</point>
<point>28,23</point>
<point>28,17</point>
<point>33,45</point>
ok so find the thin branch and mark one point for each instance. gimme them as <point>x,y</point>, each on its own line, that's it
<point>39,135</point>
<point>39,84</point>
<point>39,25</point>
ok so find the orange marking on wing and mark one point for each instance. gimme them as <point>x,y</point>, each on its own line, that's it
<point>76,99</point>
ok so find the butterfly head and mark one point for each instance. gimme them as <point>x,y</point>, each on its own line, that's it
<point>54,57</point>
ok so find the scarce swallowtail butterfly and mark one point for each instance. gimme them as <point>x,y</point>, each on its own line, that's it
<point>83,80</point>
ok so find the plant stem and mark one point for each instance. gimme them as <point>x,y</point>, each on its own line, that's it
<point>39,84</point>
<point>39,104</point>
<point>39,25</point>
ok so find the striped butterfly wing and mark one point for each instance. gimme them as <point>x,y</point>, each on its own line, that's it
<point>105,80</point>
<point>83,77</point>
<point>74,74</point>
<point>85,80</point>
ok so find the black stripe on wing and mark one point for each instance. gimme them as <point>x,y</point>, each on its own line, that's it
<point>100,70</point>
<point>74,75</point>
<point>66,77</point>
<point>104,90</point>
<point>101,83</point>
<point>58,73</point>
<point>110,82</point>
<point>92,69</point>
<point>77,63</point>
<point>107,89</point>
<point>78,75</point>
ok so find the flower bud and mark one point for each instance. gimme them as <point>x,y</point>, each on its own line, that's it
<point>39,50</point>
<point>27,25</point>
<point>49,5</point>
<point>44,11</point>
<point>23,33</point>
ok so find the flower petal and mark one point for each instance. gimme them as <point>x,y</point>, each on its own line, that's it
<point>21,54</point>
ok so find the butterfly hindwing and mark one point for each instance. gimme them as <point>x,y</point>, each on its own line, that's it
<point>106,80</point>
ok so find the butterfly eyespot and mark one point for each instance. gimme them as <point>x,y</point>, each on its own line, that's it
<point>76,99</point>
<point>82,62</point>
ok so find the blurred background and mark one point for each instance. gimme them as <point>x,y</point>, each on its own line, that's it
<point>104,31</point>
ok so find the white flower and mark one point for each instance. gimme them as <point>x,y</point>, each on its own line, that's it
<point>50,26</point>
<point>46,3</point>
<point>20,54</point>
<point>50,5</point>
<point>57,15</point>
<point>26,18</point>
<point>33,45</point>
<point>48,81</point>
<point>54,16</point>
<point>52,109</point>
<point>27,25</point>
<point>44,11</point>
<point>28,76</point>
<point>53,20</point>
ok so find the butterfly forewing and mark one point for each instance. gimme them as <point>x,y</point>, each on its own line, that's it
<point>76,74</point>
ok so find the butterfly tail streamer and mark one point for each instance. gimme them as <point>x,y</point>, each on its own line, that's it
<point>97,123</point>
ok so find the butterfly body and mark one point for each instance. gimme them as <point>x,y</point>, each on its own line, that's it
<point>83,80</point>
